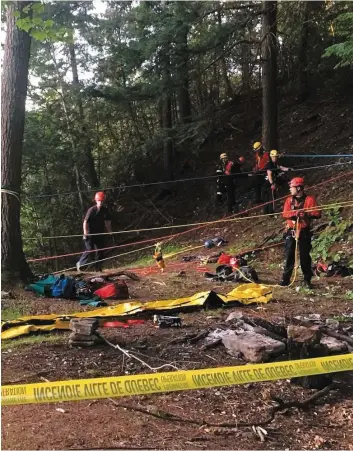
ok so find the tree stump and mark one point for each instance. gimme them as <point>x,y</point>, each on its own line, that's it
<point>304,343</point>
<point>84,332</point>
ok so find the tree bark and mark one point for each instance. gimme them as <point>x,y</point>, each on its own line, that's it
<point>245,66</point>
<point>14,267</point>
<point>269,75</point>
<point>303,55</point>
<point>85,139</point>
<point>183,75</point>
<point>227,84</point>
<point>168,151</point>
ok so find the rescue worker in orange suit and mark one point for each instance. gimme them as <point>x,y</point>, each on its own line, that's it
<point>272,181</point>
<point>261,159</point>
<point>96,221</point>
<point>295,210</point>
<point>227,171</point>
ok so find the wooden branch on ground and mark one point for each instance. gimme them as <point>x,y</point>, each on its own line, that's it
<point>211,345</point>
<point>156,413</point>
<point>276,329</point>
<point>183,339</point>
<point>199,336</point>
<point>334,334</point>
<point>268,333</point>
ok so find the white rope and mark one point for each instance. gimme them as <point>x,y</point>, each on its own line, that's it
<point>178,226</point>
<point>207,177</point>
<point>132,356</point>
<point>104,259</point>
<point>11,193</point>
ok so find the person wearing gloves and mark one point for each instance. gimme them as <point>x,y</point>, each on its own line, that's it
<point>299,210</point>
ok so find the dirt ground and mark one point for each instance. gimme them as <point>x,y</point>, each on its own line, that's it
<point>102,424</point>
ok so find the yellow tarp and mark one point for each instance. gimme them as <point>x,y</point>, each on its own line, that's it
<point>245,294</point>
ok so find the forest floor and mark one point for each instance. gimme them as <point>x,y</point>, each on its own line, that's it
<point>102,424</point>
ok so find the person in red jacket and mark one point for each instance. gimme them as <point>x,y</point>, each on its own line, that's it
<point>294,211</point>
<point>261,160</point>
<point>227,171</point>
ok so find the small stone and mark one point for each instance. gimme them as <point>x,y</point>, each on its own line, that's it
<point>332,323</point>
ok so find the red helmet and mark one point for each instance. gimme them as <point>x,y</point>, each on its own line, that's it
<point>241,160</point>
<point>99,196</point>
<point>297,181</point>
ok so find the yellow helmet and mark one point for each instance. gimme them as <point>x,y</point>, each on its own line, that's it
<point>274,153</point>
<point>257,145</point>
<point>223,155</point>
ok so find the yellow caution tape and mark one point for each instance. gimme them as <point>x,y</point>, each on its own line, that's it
<point>246,294</point>
<point>143,384</point>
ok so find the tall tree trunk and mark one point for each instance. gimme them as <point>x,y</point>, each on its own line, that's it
<point>14,267</point>
<point>183,69</point>
<point>245,66</point>
<point>168,151</point>
<point>78,174</point>
<point>227,84</point>
<point>269,75</point>
<point>85,139</point>
<point>303,54</point>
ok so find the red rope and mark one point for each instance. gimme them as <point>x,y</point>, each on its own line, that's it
<point>189,230</point>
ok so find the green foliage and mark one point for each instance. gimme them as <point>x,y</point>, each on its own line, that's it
<point>349,295</point>
<point>121,96</point>
<point>31,20</point>
<point>10,313</point>
<point>343,51</point>
<point>33,340</point>
<point>336,231</point>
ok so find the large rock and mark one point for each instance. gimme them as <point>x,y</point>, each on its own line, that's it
<point>334,345</point>
<point>253,347</point>
<point>301,334</point>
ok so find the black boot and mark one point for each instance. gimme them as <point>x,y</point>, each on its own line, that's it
<point>308,284</point>
<point>283,283</point>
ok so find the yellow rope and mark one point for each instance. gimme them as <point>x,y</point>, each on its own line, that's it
<point>297,231</point>
<point>188,248</point>
<point>295,264</point>
<point>322,207</point>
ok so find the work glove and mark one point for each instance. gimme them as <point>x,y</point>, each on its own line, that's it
<point>273,187</point>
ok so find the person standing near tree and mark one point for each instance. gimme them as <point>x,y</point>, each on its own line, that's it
<point>96,221</point>
<point>272,181</point>
<point>261,159</point>
<point>299,210</point>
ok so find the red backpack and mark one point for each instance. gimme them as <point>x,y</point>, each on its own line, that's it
<point>224,259</point>
<point>114,290</point>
